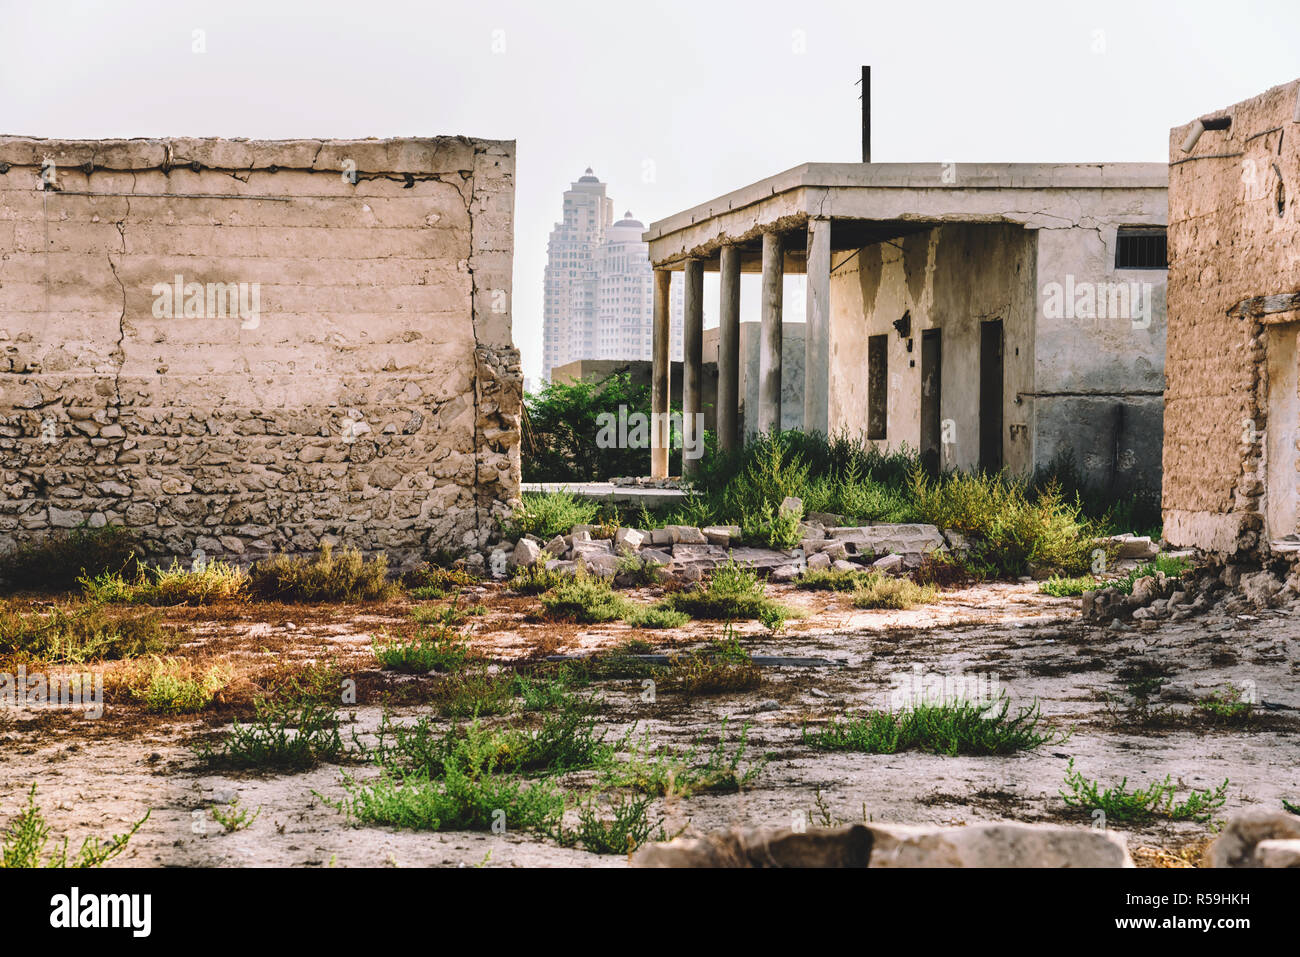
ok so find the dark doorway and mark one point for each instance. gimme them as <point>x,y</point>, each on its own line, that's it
<point>931,394</point>
<point>991,395</point>
<point>877,387</point>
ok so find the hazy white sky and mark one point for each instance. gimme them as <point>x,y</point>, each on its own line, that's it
<point>713,95</point>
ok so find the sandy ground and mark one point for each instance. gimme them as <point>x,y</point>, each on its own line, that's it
<point>95,777</point>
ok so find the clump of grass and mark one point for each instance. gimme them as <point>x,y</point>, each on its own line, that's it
<point>829,579</point>
<point>545,692</point>
<point>584,599</point>
<point>1065,587</point>
<point>174,585</point>
<point>732,592</point>
<point>56,563</point>
<point>25,838</point>
<point>1230,707</point>
<point>654,616</point>
<point>431,648</point>
<point>460,800</point>
<point>950,728</point>
<point>638,572</point>
<point>626,829</point>
<point>535,579</point>
<point>547,514</point>
<point>77,634</point>
<point>174,686</point>
<point>474,693</point>
<point>1162,564</point>
<point>722,669</point>
<point>431,581</point>
<point>663,771</point>
<point>882,591</point>
<point>1157,801</point>
<point>233,817</point>
<point>345,577</point>
<point>290,737</point>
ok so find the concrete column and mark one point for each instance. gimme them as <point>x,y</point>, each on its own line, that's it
<point>817,332</point>
<point>692,362</point>
<point>769,346</point>
<point>729,349</point>
<point>659,373</point>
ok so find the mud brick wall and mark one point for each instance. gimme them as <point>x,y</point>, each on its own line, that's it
<point>374,399</point>
<point>1232,236</point>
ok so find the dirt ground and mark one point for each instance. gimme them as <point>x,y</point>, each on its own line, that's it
<point>97,776</point>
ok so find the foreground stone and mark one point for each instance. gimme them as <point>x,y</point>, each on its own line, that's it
<point>1251,839</point>
<point>894,845</point>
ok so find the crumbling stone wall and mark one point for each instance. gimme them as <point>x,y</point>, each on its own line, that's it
<point>365,389</point>
<point>1232,236</point>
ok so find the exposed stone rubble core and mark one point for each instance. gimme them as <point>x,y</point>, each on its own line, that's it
<point>374,400</point>
<point>689,553</point>
<point>895,845</point>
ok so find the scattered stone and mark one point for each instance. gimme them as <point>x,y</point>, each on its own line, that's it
<point>840,565</point>
<point>836,550</point>
<point>811,531</point>
<point>557,547</point>
<point>1135,547</point>
<point>722,535</point>
<point>880,539</point>
<point>661,536</point>
<point>602,565</point>
<point>888,563</point>
<point>791,506</point>
<point>687,535</point>
<point>656,555</point>
<point>1258,588</point>
<point>824,519</point>
<point>1278,853</point>
<point>818,562</point>
<point>754,847</point>
<point>499,562</point>
<point>629,539</point>
<point>768,705</point>
<point>561,567</point>
<point>785,573</point>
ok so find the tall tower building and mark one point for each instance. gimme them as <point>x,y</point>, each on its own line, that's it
<point>599,301</point>
<point>569,309</point>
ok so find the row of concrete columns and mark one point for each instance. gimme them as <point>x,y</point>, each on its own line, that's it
<point>816,405</point>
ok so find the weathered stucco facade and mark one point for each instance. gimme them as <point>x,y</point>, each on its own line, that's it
<point>250,346</point>
<point>1231,409</point>
<point>980,313</point>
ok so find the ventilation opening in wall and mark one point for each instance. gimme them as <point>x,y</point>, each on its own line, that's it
<point>877,387</point>
<point>1142,248</point>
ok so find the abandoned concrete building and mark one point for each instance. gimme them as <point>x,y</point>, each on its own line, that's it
<point>1000,316</point>
<point>1233,400</point>
<point>236,347</point>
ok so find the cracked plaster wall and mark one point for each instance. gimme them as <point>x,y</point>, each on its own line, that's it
<point>375,401</point>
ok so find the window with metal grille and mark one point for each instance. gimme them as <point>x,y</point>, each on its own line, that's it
<point>1145,248</point>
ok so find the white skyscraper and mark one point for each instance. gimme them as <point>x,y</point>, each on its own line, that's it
<point>599,301</point>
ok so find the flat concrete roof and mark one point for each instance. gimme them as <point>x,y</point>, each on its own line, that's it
<point>893,194</point>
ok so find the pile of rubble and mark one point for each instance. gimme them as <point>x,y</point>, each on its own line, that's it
<point>1255,839</point>
<point>687,552</point>
<point>1233,589</point>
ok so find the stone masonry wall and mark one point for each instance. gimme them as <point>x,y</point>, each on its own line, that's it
<point>365,391</point>
<point>1232,236</point>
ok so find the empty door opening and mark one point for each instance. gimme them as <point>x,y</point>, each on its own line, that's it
<point>931,397</point>
<point>991,395</point>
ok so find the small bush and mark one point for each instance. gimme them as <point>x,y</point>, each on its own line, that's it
<point>628,828</point>
<point>535,579</point>
<point>547,514</point>
<point>882,591</point>
<point>177,687</point>
<point>832,580</point>
<point>654,616</point>
<point>1229,707</point>
<point>713,671</point>
<point>662,771</point>
<point>638,572</point>
<point>733,592</point>
<point>285,738</point>
<point>432,648</point>
<point>175,585</point>
<point>1145,804</point>
<point>24,840</point>
<point>585,600</point>
<point>77,634</point>
<point>346,577</point>
<point>955,728</point>
<point>434,581</point>
<point>56,563</point>
<point>1059,587</point>
<point>471,694</point>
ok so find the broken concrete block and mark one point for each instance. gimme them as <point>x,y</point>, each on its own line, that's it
<point>835,551</point>
<point>557,546</point>
<point>892,564</point>
<point>818,562</point>
<point>592,547</point>
<point>526,553</point>
<point>661,536</point>
<point>997,845</point>
<point>722,535</point>
<point>791,506</point>
<point>879,539</point>
<point>785,573</point>
<point>580,533</point>
<point>840,565</point>
<point>588,529</point>
<point>810,530</point>
<point>687,535</point>
<point>657,555</point>
<point>825,519</point>
<point>1238,843</point>
<point>561,567</point>
<point>629,539</point>
<point>601,565</point>
<point>1138,547</point>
